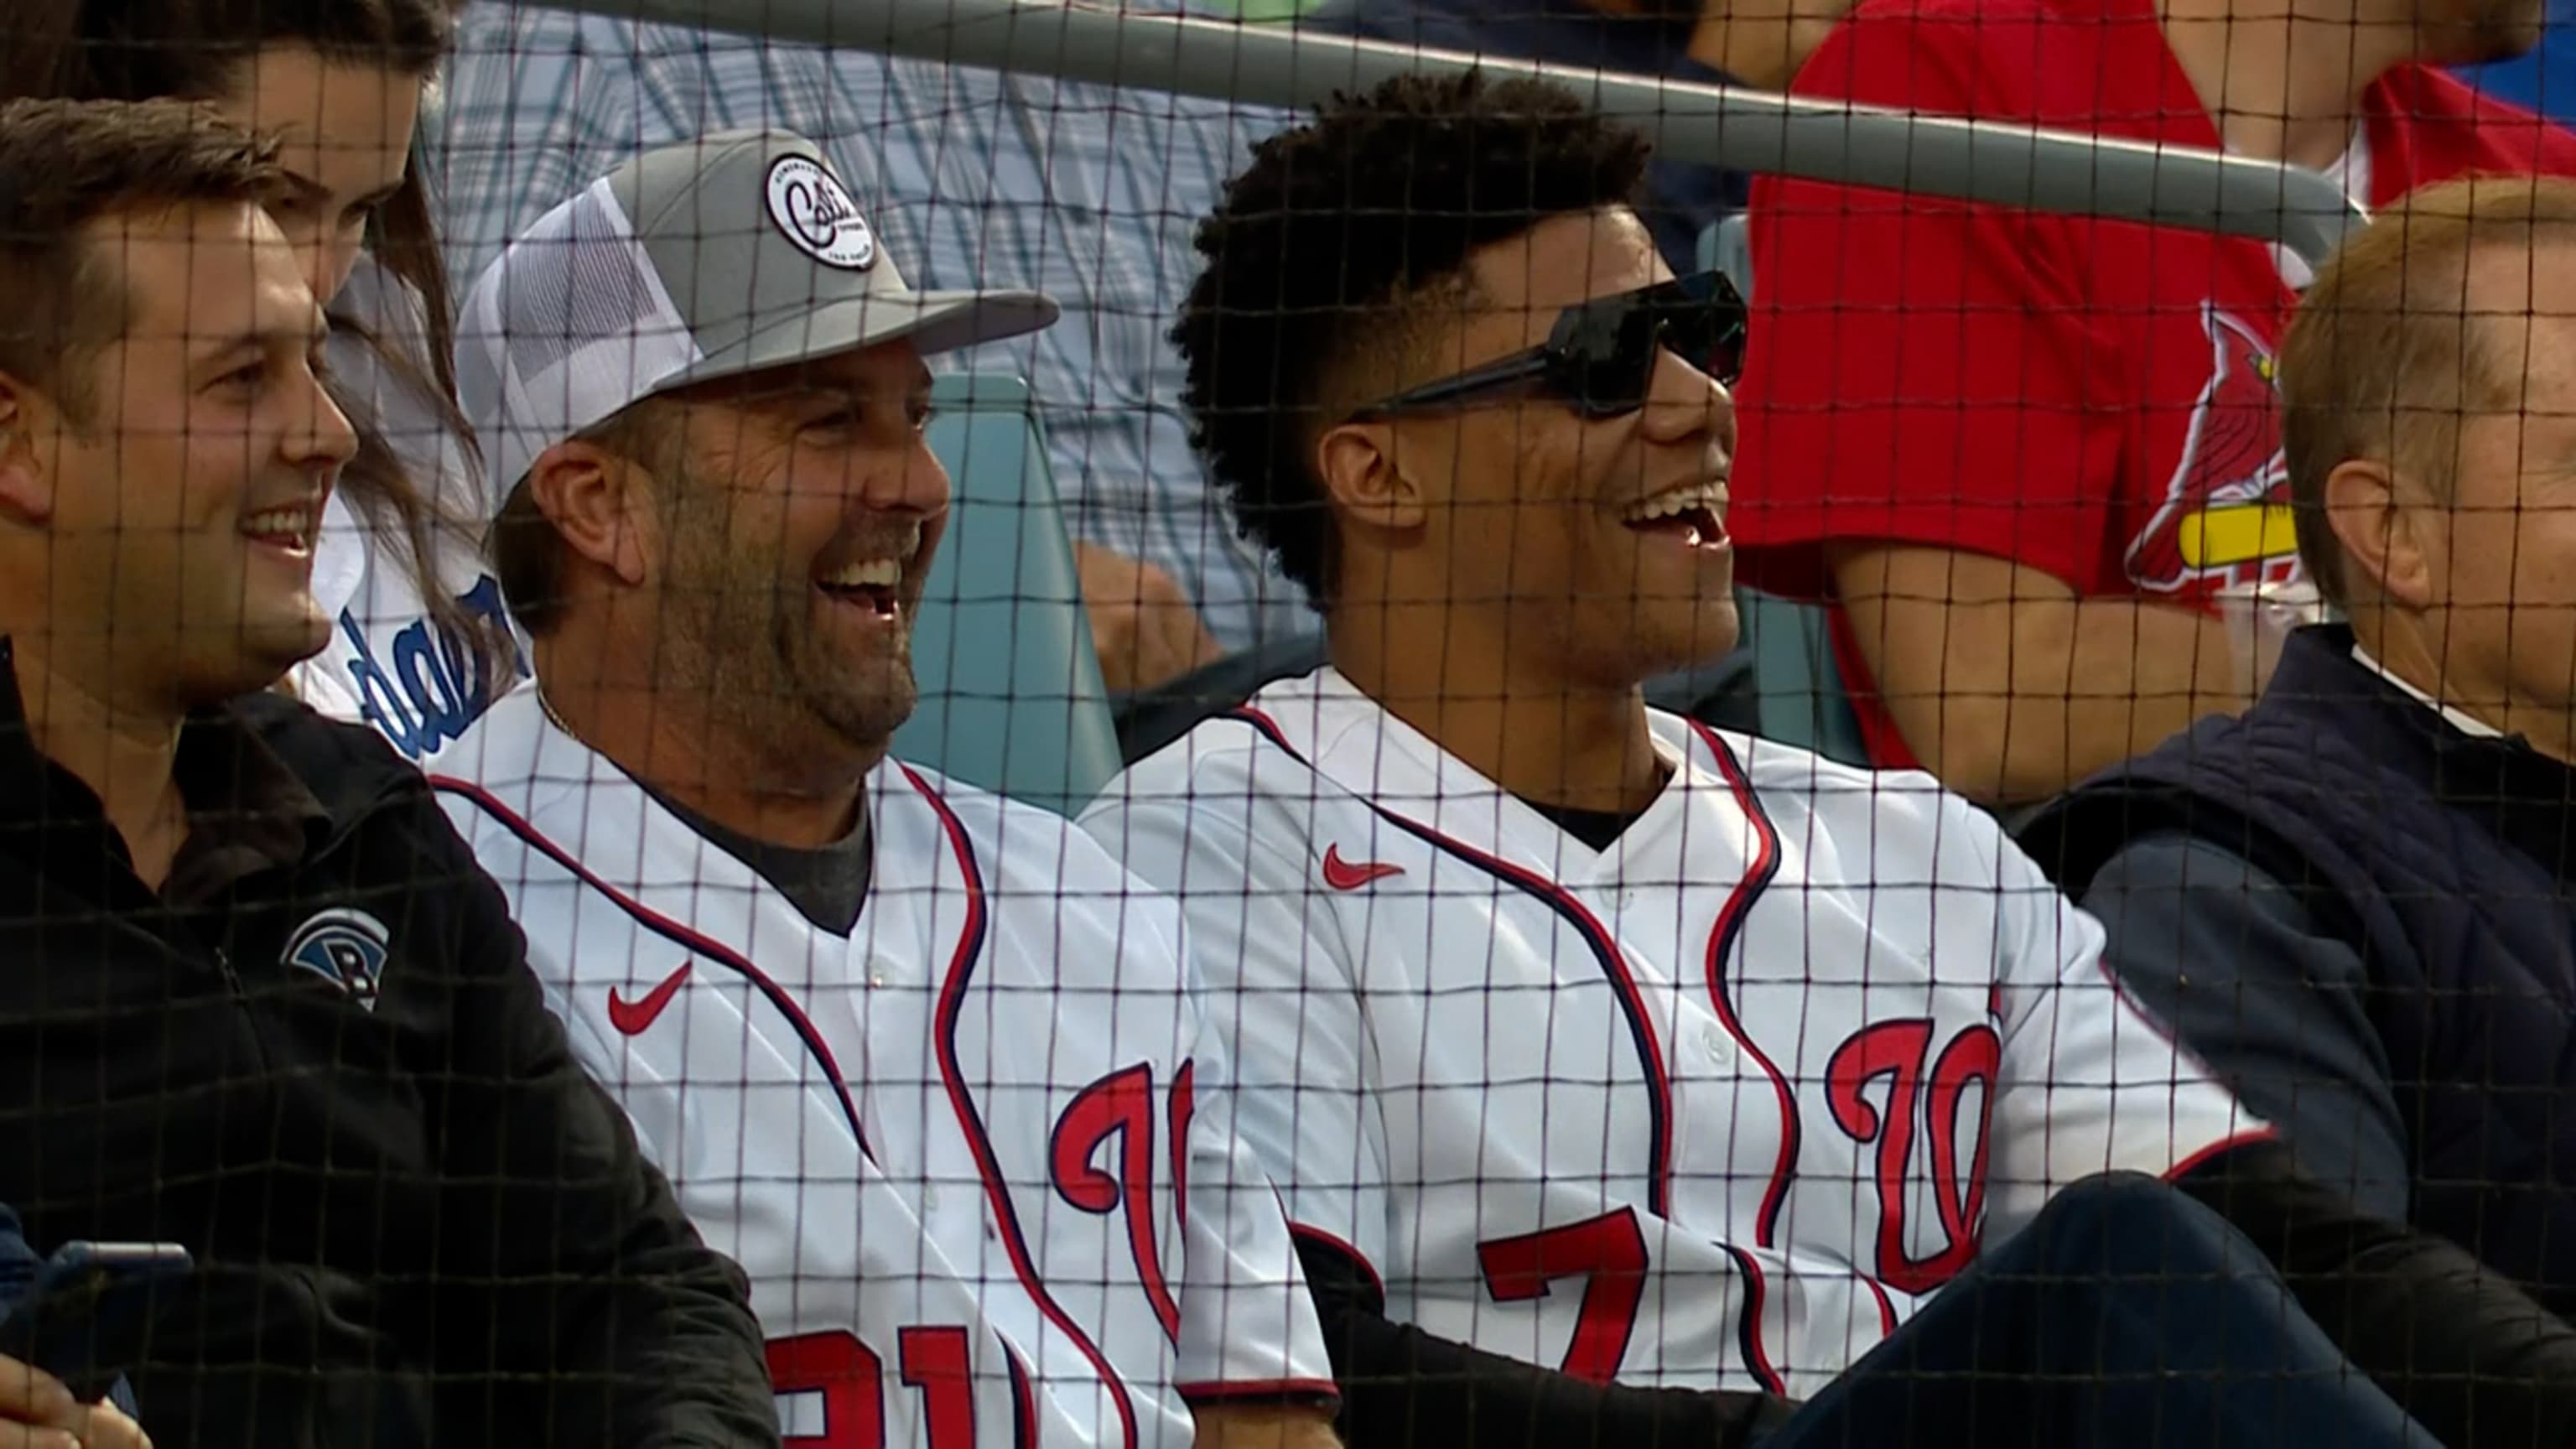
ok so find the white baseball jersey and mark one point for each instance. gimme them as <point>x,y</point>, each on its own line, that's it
<point>1715,1108</point>
<point>388,665</point>
<point>975,1156</point>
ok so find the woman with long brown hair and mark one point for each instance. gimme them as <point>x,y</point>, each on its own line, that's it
<point>420,644</point>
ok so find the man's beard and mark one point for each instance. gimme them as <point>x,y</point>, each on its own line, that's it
<point>746,638</point>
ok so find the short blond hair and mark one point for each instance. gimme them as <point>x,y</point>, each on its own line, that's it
<point>2385,357</point>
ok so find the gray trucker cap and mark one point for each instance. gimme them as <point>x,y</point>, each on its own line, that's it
<point>705,259</point>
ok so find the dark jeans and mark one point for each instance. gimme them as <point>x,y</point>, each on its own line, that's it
<point>2125,1315</point>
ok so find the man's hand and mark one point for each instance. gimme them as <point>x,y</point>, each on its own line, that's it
<point>1263,1426</point>
<point>37,1412</point>
<point>1141,622</point>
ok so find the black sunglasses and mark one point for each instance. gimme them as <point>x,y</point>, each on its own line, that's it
<point>1601,355</point>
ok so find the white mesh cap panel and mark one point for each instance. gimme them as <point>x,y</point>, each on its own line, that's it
<point>569,326</point>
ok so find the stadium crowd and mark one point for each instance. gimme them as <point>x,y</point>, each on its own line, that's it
<point>478,970</point>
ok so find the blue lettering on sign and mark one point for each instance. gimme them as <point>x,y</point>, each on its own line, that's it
<point>431,692</point>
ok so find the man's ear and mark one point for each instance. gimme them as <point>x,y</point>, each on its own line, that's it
<point>1364,477</point>
<point>2385,541</point>
<point>26,477</point>
<point>599,502</point>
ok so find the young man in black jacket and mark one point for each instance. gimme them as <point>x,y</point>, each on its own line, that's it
<point>258,1000</point>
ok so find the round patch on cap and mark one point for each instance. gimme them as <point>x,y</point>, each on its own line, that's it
<point>819,216</point>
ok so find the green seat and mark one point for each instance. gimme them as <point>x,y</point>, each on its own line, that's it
<point>1011,698</point>
<point>1727,247</point>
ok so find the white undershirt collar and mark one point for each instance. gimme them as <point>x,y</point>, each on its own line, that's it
<point>2473,728</point>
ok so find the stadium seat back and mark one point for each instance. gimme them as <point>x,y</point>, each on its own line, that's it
<point>1799,687</point>
<point>1728,247</point>
<point>1011,696</point>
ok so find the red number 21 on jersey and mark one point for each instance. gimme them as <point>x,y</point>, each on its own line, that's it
<point>849,1376</point>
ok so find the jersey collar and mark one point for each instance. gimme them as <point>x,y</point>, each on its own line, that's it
<point>1358,744</point>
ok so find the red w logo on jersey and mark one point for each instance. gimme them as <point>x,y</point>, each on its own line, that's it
<point>1946,1099</point>
<point>2226,513</point>
<point>1120,1106</point>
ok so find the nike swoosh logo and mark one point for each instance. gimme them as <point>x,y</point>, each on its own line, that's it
<point>1341,875</point>
<point>635,1017</point>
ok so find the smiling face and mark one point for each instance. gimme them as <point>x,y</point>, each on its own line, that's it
<point>179,508</point>
<point>1596,544</point>
<point>794,548</point>
<point>344,131</point>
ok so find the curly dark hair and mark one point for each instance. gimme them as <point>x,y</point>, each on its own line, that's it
<point>1337,238</point>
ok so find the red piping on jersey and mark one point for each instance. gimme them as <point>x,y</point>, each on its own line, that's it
<point>1722,937</point>
<point>1179,1109</point>
<point>686,937</point>
<point>2220,1147</point>
<point>1886,1305</point>
<point>2184,1054</point>
<point>1339,1248</point>
<point>1227,1393</point>
<point>1605,950</point>
<point>952,1000</point>
<point>1721,944</point>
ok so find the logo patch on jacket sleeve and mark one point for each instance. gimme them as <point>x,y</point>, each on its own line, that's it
<point>345,946</point>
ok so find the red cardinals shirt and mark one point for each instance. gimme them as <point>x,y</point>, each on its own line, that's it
<point>2095,399</point>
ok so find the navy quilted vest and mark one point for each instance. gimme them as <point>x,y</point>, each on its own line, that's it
<point>2443,860</point>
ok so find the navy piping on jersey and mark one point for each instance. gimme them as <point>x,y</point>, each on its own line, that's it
<point>692,941</point>
<point>1024,1403</point>
<point>952,1000</point>
<point>1614,964</point>
<point>1722,944</point>
<point>1757,877</point>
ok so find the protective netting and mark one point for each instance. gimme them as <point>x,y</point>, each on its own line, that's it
<point>1120,727</point>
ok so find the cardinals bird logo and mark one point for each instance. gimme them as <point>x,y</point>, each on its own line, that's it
<point>2226,514</point>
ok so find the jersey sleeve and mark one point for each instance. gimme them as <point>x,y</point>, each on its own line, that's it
<point>2088,1083</point>
<point>583,1255</point>
<point>2277,1006</point>
<point>1914,371</point>
<point>1248,1326</point>
<point>1280,1005</point>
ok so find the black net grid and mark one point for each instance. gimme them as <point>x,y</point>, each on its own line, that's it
<point>958,723</point>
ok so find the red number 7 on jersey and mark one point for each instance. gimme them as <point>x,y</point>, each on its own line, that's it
<point>1609,1253</point>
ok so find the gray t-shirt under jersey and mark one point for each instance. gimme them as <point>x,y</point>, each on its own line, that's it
<point>829,885</point>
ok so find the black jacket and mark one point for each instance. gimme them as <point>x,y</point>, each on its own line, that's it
<point>317,1059</point>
